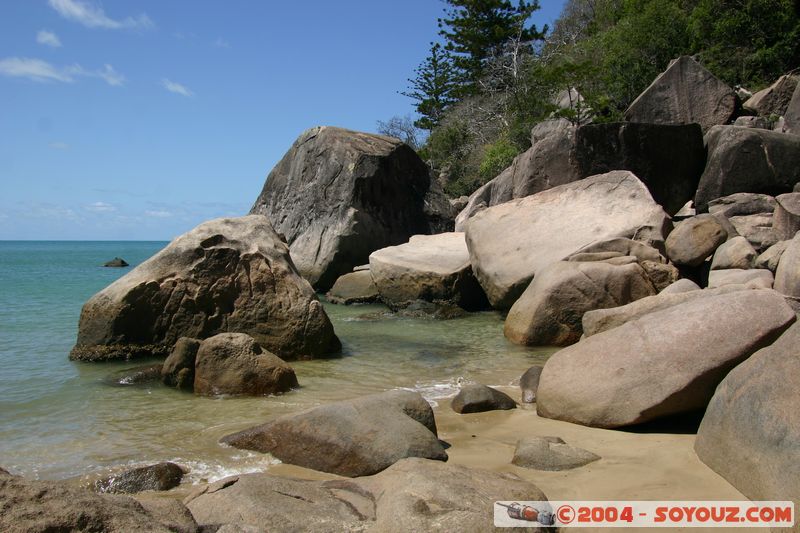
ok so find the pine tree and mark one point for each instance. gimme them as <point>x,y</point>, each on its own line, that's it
<point>476,31</point>
<point>433,87</point>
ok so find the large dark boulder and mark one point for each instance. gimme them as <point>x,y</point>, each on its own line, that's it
<point>27,505</point>
<point>412,495</point>
<point>685,93</point>
<point>665,363</point>
<point>351,438</point>
<point>338,195</point>
<point>750,433</point>
<point>669,159</point>
<point>229,274</point>
<point>748,160</point>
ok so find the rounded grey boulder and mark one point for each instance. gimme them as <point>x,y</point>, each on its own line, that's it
<point>550,453</point>
<point>694,240</point>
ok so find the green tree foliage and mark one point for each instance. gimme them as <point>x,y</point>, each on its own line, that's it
<point>750,42</point>
<point>496,158</point>
<point>433,87</point>
<point>476,31</point>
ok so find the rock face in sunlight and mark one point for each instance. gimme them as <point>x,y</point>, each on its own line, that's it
<point>226,275</point>
<point>338,195</point>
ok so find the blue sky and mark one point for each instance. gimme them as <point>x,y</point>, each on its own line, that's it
<point>138,120</point>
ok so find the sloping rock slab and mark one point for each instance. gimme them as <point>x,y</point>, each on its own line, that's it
<point>434,268</point>
<point>27,505</point>
<point>685,93</point>
<point>665,363</point>
<point>411,495</point>
<point>338,195</point>
<point>510,243</point>
<point>748,160</point>
<point>750,433</point>
<point>352,438</point>
<point>229,274</point>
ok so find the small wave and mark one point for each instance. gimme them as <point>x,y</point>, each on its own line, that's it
<point>209,472</point>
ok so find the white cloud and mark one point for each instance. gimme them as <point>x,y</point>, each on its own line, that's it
<point>221,43</point>
<point>100,207</point>
<point>158,213</point>
<point>58,145</point>
<point>38,70</point>
<point>176,88</point>
<point>93,16</point>
<point>33,69</point>
<point>48,38</point>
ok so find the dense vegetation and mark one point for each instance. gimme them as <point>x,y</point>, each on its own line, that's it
<point>492,75</point>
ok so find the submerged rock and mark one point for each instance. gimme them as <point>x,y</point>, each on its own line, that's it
<point>665,363</point>
<point>117,262</point>
<point>551,454</point>
<point>339,195</point>
<point>433,268</point>
<point>160,476</point>
<point>412,495</point>
<point>750,433</point>
<point>352,438</point>
<point>229,274</point>
<point>511,242</point>
<point>480,398</point>
<point>685,93</point>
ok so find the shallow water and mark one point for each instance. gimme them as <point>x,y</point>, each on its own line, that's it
<point>61,419</point>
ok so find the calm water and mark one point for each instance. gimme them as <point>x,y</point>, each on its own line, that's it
<point>61,419</point>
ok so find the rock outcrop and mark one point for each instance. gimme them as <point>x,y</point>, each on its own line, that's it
<point>226,275</point>
<point>550,310</point>
<point>479,399</point>
<point>338,195</point>
<point>117,262</point>
<point>511,242</point>
<point>160,476</point>
<point>352,438</point>
<point>551,454</point>
<point>412,495</point>
<point>748,160</point>
<point>234,363</point>
<point>29,505</point>
<point>354,288</point>
<point>665,363</point>
<point>750,433</point>
<point>685,93</point>
<point>434,268</point>
<point>774,100</point>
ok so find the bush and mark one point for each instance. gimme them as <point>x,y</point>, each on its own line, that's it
<point>496,158</point>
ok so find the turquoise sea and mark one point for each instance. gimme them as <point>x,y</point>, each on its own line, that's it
<point>60,419</point>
